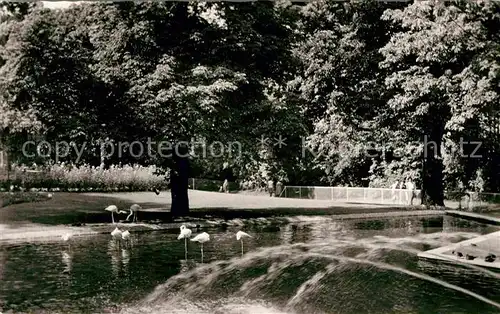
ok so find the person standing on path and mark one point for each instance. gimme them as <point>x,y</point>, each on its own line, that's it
<point>410,187</point>
<point>394,187</point>
<point>279,188</point>
<point>270,187</point>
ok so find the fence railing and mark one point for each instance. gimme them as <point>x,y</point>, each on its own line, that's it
<point>351,194</point>
<point>386,196</point>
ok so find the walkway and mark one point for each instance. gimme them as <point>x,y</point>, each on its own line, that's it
<point>203,199</point>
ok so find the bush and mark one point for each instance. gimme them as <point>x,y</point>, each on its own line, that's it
<point>61,177</point>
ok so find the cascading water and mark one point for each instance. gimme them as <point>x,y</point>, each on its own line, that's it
<point>334,273</point>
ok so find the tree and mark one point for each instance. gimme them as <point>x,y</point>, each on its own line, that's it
<point>433,60</point>
<point>340,85</point>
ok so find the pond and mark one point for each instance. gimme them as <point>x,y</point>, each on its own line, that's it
<point>310,265</point>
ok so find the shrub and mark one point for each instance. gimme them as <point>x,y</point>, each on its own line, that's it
<point>86,178</point>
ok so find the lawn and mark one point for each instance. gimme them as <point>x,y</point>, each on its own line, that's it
<point>63,208</point>
<point>77,208</point>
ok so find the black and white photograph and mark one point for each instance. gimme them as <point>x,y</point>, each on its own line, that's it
<point>250,157</point>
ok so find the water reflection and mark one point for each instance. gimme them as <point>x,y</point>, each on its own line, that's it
<point>105,273</point>
<point>67,261</point>
<point>114,250</point>
<point>125,260</point>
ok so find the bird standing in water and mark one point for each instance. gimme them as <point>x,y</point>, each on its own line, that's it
<point>67,238</point>
<point>117,235</point>
<point>114,209</point>
<point>201,238</point>
<point>185,234</point>
<point>239,237</point>
<point>126,235</point>
<point>133,212</point>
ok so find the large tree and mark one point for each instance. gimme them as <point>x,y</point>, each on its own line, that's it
<point>441,79</point>
<point>340,85</point>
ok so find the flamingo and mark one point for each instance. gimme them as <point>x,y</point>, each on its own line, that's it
<point>239,237</point>
<point>114,209</point>
<point>126,235</point>
<point>185,234</point>
<point>66,238</point>
<point>116,234</point>
<point>201,238</point>
<point>133,212</point>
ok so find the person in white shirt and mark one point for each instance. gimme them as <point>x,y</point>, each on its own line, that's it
<point>394,187</point>
<point>270,187</point>
<point>411,190</point>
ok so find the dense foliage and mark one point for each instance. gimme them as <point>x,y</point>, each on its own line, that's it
<point>359,91</point>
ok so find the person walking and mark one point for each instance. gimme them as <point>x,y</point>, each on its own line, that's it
<point>279,188</point>
<point>270,187</point>
<point>394,187</point>
<point>410,187</point>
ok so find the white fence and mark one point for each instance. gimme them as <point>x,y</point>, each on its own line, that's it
<point>351,194</point>
<point>386,196</point>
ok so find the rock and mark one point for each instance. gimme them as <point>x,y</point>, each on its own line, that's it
<point>490,258</point>
<point>470,257</point>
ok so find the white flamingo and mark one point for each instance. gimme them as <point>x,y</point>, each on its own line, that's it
<point>201,238</point>
<point>239,237</point>
<point>114,209</point>
<point>185,234</point>
<point>66,238</point>
<point>117,235</point>
<point>133,212</point>
<point>126,235</point>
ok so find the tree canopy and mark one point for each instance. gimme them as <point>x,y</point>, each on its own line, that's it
<point>358,91</point>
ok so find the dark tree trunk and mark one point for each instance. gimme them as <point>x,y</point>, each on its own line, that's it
<point>432,170</point>
<point>432,183</point>
<point>179,178</point>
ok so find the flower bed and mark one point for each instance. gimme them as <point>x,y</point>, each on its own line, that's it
<point>68,178</point>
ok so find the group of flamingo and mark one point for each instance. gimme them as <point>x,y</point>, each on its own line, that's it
<point>119,235</point>
<point>205,237</point>
<point>132,214</point>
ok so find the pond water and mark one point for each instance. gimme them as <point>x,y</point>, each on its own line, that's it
<point>310,265</point>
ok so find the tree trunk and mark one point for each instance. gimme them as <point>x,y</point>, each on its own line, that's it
<point>179,177</point>
<point>432,190</point>
<point>432,171</point>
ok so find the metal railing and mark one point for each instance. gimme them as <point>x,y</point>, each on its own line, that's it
<point>386,196</point>
<point>351,194</point>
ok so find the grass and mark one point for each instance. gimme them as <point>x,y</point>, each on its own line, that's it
<point>63,208</point>
<point>7,199</point>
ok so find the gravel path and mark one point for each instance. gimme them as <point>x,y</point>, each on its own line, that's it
<point>203,199</point>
